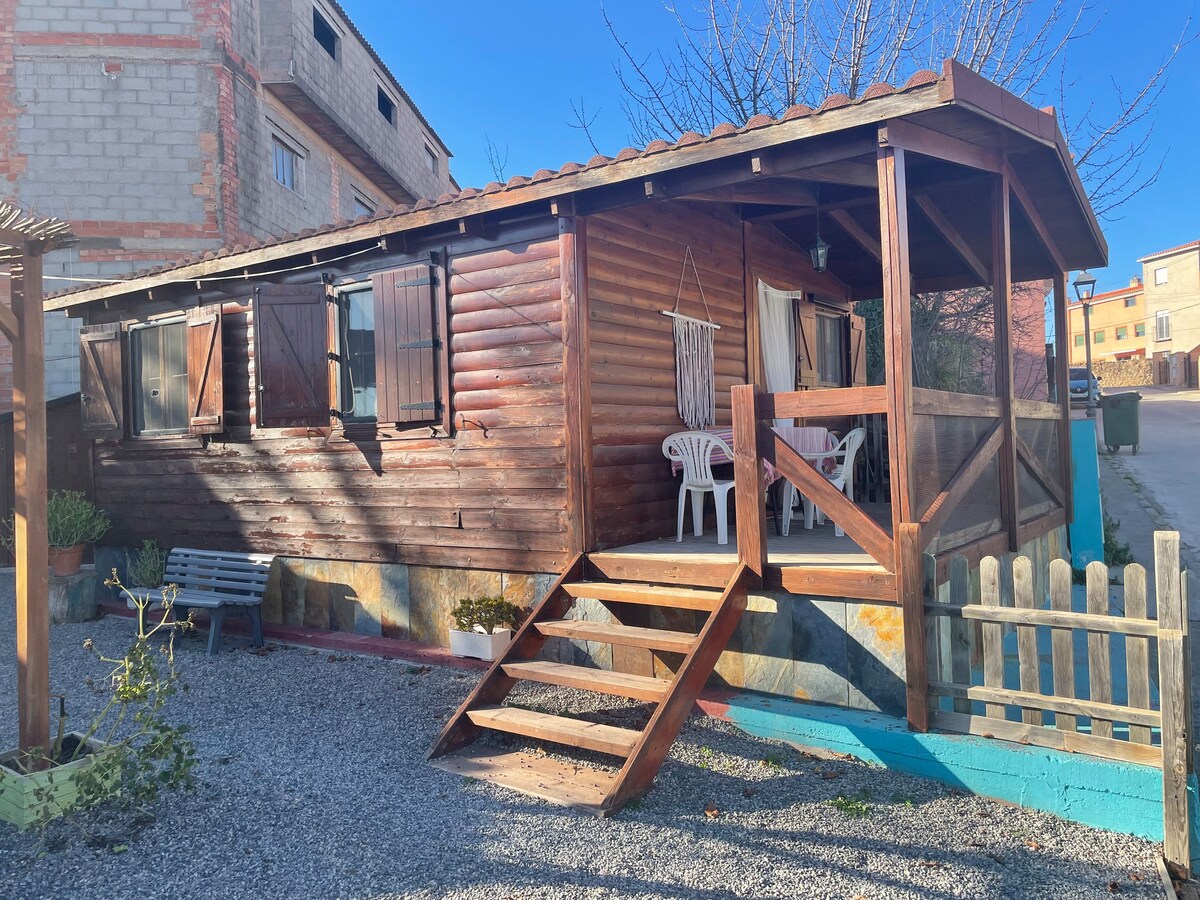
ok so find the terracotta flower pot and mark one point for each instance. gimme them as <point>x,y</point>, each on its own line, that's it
<point>68,561</point>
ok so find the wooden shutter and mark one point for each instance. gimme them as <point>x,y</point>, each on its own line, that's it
<point>806,344</point>
<point>206,384</point>
<point>291,358</point>
<point>858,351</point>
<point>406,346</point>
<point>102,393</point>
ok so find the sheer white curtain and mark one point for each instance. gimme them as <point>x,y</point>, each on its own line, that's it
<point>777,335</point>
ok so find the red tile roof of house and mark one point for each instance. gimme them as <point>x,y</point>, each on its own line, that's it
<point>1170,250</point>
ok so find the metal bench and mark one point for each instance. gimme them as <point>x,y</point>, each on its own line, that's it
<point>220,582</point>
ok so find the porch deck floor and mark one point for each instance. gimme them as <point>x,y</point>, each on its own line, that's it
<point>702,560</point>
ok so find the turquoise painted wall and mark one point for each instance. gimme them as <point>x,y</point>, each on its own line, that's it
<point>1087,531</point>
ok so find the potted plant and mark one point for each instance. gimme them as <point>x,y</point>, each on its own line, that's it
<point>72,521</point>
<point>147,568</point>
<point>484,626</point>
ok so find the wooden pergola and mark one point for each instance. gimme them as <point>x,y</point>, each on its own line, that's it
<point>24,239</point>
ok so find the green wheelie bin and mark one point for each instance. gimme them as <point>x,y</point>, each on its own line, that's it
<point>1121,420</point>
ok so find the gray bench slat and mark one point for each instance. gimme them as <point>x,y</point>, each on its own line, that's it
<point>185,552</point>
<point>212,565</point>
<point>216,580</point>
<point>212,598</point>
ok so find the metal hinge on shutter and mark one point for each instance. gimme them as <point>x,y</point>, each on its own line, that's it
<point>430,405</point>
<point>434,343</point>
<point>416,282</point>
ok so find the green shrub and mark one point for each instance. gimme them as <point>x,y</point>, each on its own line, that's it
<point>71,518</point>
<point>148,565</point>
<point>1115,552</point>
<point>486,614</point>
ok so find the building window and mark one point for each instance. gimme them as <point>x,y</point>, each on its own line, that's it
<point>356,350</point>
<point>1139,330</point>
<point>158,365</point>
<point>1160,275</point>
<point>363,207</point>
<point>831,350</point>
<point>1130,302</point>
<point>1122,333</point>
<point>1162,325</point>
<point>325,34</point>
<point>1079,340</point>
<point>386,107</point>
<point>1098,337</point>
<point>431,159</point>
<point>287,163</point>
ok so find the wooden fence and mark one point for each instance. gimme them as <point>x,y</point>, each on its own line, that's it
<point>1070,704</point>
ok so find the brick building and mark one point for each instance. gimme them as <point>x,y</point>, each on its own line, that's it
<point>164,128</point>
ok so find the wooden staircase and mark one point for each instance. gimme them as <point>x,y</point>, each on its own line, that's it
<point>638,753</point>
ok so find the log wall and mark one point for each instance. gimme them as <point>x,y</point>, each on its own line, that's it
<point>491,496</point>
<point>634,259</point>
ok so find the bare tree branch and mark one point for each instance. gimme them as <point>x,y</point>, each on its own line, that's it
<point>497,162</point>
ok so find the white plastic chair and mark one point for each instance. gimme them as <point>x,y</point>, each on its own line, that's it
<point>842,478</point>
<point>693,450</point>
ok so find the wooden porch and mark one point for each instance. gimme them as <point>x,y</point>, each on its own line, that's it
<point>803,562</point>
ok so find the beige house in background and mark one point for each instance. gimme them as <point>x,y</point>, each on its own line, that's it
<point>1118,325</point>
<point>1172,297</point>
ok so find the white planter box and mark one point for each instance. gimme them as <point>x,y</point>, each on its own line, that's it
<point>478,645</point>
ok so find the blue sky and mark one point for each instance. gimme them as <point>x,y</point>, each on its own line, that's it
<point>509,71</point>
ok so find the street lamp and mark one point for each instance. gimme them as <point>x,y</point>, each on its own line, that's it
<point>1085,287</point>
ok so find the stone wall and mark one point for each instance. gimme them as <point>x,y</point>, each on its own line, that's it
<point>1133,372</point>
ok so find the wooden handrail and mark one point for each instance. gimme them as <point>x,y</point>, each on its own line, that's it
<point>852,401</point>
<point>748,486</point>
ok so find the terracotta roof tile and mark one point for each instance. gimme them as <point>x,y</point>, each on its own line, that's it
<point>833,101</point>
<point>541,175</point>
<point>798,111</point>
<point>759,121</point>
<point>878,89</point>
<point>689,137</point>
<point>656,146</point>
<point>570,167</point>
<point>598,160</point>
<point>1187,246</point>
<point>723,129</point>
<point>923,77</point>
<point>628,153</point>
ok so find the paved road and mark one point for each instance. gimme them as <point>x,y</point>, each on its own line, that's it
<point>1160,486</point>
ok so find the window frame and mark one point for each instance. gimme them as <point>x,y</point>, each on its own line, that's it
<point>1098,336</point>
<point>360,202</point>
<point>133,391</point>
<point>358,432</point>
<point>1125,335</point>
<point>1130,302</point>
<point>1139,330</point>
<point>279,142</point>
<point>1162,316</point>
<point>382,97</point>
<point>319,17</point>
<point>432,159</point>
<point>1165,272</point>
<point>841,322</point>
<point>1080,340</point>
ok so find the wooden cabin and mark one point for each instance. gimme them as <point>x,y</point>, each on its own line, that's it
<point>470,395</point>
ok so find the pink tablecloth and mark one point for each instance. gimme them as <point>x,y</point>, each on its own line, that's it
<point>802,438</point>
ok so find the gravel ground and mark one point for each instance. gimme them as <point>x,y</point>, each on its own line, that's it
<point>313,784</point>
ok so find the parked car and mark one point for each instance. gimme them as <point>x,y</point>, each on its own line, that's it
<point>1084,383</point>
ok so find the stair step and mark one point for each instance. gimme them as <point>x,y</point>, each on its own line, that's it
<point>559,729</point>
<point>646,594</point>
<point>602,681</point>
<point>556,780</point>
<point>621,635</point>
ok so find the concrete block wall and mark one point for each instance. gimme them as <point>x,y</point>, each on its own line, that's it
<point>348,85</point>
<point>140,122</point>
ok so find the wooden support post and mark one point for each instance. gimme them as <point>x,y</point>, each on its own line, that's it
<point>572,253</point>
<point>1001,306</point>
<point>911,576</point>
<point>29,468</point>
<point>1174,697</point>
<point>897,330</point>
<point>1062,385</point>
<point>748,481</point>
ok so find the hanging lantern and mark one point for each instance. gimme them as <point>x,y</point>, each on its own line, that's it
<point>820,250</point>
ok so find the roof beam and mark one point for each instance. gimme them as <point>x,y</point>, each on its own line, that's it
<point>864,239</point>
<point>764,193</point>
<point>1035,219</point>
<point>952,236</point>
<point>919,139</point>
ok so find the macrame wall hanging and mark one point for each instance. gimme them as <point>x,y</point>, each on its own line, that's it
<point>695,381</point>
